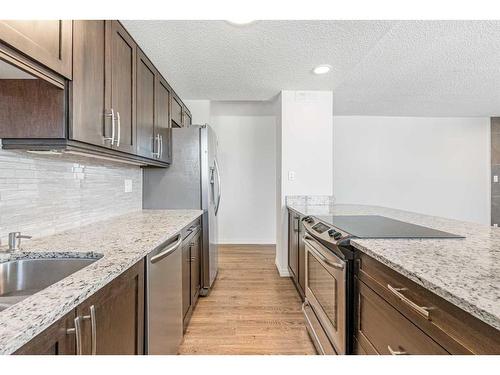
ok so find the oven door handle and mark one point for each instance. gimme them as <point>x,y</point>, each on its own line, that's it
<point>308,240</point>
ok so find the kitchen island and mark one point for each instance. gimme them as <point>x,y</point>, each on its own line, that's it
<point>462,271</point>
<point>120,243</point>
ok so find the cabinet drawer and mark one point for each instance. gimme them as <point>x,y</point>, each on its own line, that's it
<point>386,331</point>
<point>454,329</point>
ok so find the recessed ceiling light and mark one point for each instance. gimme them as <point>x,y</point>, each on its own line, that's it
<point>322,69</point>
<point>240,22</point>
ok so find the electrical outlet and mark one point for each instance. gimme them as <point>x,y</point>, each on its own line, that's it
<point>291,175</point>
<point>128,186</point>
<point>495,178</point>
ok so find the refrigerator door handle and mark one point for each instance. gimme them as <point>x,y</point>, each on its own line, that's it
<point>219,188</point>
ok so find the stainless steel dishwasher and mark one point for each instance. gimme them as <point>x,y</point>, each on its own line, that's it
<point>164,298</point>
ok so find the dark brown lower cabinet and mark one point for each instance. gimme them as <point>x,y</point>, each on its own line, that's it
<point>195,246</point>
<point>394,315</point>
<point>118,316</point>
<point>58,339</point>
<point>111,321</point>
<point>383,330</point>
<point>186,279</point>
<point>191,272</point>
<point>296,252</point>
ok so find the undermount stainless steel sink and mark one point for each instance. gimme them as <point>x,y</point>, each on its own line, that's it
<point>22,278</point>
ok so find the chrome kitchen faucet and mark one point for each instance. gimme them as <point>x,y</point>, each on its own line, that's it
<point>15,240</point>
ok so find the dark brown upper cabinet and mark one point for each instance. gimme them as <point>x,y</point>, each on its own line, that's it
<point>147,144</point>
<point>103,86</point>
<point>89,121</point>
<point>121,76</point>
<point>46,41</point>
<point>186,118</point>
<point>116,105</point>
<point>176,113</point>
<point>163,134</point>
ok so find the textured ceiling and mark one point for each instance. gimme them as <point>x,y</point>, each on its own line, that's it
<point>407,68</point>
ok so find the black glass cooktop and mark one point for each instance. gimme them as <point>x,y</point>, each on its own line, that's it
<point>374,226</point>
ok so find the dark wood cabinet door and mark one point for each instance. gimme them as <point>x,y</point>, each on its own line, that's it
<point>46,41</point>
<point>195,245</point>
<point>301,256</point>
<point>121,81</point>
<point>88,121</point>
<point>162,123</point>
<point>119,315</point>
<point>146,103</point>
<point>55,340</point>
<point>176,113</point>
<point>186,279</point>
<point>186,119</point>
<point>293,246</point>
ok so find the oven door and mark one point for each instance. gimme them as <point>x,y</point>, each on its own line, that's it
<point>326,291</point>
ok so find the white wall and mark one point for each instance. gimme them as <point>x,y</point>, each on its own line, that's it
<point>305,144</point>
<point>200,111</point>
<point>246,153</point>
<point>436,166</point>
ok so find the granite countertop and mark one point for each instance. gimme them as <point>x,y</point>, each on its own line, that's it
<point>120,242</point>
<point>465,272</point>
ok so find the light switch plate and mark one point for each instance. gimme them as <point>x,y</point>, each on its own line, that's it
<point>128,186</point>
<point>495,178</point>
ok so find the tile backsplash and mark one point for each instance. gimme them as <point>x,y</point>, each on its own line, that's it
<point>45,194</point>
<point>314,200</point>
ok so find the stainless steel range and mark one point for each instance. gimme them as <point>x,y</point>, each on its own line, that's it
<point>329,295</point>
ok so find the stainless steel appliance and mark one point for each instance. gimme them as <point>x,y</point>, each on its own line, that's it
<point>192,181</point>
<point>328,293</point>
<point>329,296</point>
<point>164,298</point>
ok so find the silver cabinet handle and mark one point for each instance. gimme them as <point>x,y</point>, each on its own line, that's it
<point>93,328</point>
<point>306,239</point>
<point>395,352</point>
<point>157,141</point>
<point>77,331</point>
<point>161,146</point>
<point>218,183</point>
<point>420,309</point>
<point>112,138</point>
<point>119,129</point>
<point>93,322</point>
<point>193,259</point>
<point>168,250</point>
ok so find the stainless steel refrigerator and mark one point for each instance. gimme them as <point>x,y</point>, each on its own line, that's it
<point>192,182</point>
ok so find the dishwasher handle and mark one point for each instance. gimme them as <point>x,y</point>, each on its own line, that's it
<point>168,250</point>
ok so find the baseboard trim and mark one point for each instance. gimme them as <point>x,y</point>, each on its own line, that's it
<point>247,245</point>
<point>246,242</point>
<point>283,271</point>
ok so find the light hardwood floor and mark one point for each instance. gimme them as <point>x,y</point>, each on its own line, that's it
<point>251,309</point>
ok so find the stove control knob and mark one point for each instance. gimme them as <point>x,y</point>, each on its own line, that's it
<point>333,233</point>
<point>309,219</point>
